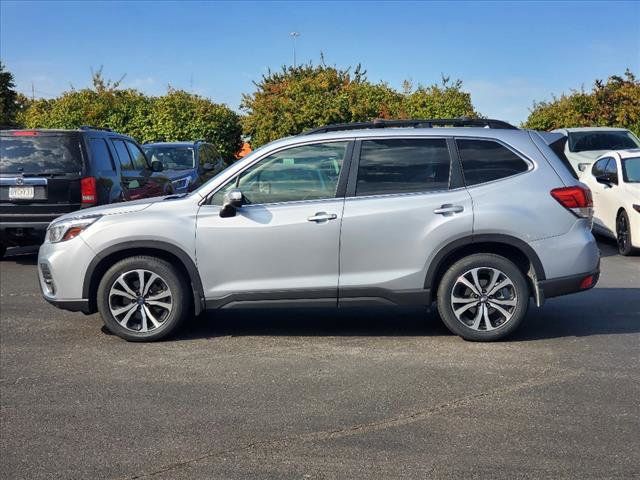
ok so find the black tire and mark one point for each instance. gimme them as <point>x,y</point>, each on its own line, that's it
<point>517,292</point>
<point>3,250</point>
<point>623,234</point>
<point>166,320</point>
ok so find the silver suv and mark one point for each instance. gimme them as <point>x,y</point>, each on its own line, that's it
<point>478,219</point>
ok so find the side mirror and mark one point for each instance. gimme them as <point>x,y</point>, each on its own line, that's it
<point>157,166</point>
<point>207,167</point>
<point>232,201</point>
<point>605,180</point>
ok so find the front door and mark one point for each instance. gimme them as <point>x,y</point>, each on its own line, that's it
<point>282,244</point>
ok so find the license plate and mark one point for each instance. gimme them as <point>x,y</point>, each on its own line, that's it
<point>21,193</point>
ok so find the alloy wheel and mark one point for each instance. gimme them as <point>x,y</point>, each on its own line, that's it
<point>140,300</point>
<point>484,299</point>
<point>622,233</point>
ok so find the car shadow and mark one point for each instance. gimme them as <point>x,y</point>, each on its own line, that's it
<point>22,255</point>
<point>602,311</point>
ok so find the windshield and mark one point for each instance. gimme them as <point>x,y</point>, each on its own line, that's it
<point>601,140</point>
<point>40,154</point>
<point>172,157</point>
<point>631,170</point>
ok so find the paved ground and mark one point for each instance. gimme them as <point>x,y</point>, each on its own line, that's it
<point>375,394</point>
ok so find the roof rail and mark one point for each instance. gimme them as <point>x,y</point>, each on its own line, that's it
<point>415,123</point>
<point>89,127</point>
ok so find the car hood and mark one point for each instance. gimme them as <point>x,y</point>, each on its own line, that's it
<point>113,209</point>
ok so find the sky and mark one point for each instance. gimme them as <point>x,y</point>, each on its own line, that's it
<point>507,54</point>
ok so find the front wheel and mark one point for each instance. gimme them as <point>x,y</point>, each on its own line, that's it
<point>143,299</point>
<point>483,297</point>
<point>623,234</point>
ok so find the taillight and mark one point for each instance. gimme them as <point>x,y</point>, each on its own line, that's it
<point>88,191</point>
<point>25,133</point>
<point>577,199</point>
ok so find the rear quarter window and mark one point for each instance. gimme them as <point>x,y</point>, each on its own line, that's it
<point>487,160</point>
<point>100,155</point>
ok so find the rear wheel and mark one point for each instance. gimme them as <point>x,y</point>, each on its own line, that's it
<point>483,297</point>
<point>143,299</point>
<point>3,250</point>
<point>623,234</point>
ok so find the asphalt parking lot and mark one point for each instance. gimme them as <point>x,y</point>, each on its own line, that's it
<point>295,394</point>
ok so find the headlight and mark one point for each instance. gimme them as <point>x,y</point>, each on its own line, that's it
<point>68,229</point>
<point>180,184</point>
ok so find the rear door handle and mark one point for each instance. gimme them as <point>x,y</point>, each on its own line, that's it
<point>448,208</point>
<point>322,217</point>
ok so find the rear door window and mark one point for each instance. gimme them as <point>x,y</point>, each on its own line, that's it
<point>123,155</point>
<point>137,157</point>
<point>100,155</point>
<point>403,166</point>
<point>36,153</point>
<point>487,160</point>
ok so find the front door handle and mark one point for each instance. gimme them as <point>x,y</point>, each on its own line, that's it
<point>448,208</point>
<point>322,217</point>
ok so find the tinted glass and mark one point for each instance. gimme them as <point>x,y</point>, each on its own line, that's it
<point>172,157</point>
<point>402,166</point>
<point>631,170</point>
<point>100,155</point>
<point>601,140</point>
<point>40,154</point>
<point>598,167</point>
<point>611,168</point>
<point>308,172</point>
<point>123,155</point>
<point>139,160</point>
<point>486,160</point>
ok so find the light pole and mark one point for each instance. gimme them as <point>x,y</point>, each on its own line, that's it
<point>294,35</point>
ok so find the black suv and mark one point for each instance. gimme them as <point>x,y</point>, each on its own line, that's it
<point>187,164</point>
<point>47,173</point>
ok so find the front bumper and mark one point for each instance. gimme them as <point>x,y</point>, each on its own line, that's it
<point>61,272</point>
<point>70,305</point>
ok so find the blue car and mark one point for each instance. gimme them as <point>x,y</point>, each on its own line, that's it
<point>187,164</point>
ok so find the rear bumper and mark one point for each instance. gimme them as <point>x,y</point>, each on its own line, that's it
<point>571,284</point>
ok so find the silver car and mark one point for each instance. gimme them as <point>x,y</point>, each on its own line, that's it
<point>479,218</point>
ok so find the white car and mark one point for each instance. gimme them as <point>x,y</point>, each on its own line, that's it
<point>585,145</point>
<point>614,180</point>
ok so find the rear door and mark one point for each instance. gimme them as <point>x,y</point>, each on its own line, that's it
<point>404,202</point>
<point>40,174</point>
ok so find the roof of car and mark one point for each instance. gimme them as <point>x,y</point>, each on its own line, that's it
<point>92,130</point>
<point>172,144</point>
<point>413,132</point>
<point>589,129</point>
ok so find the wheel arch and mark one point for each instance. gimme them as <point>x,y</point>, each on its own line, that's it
<point>167,251</point>
<point>512,248</point>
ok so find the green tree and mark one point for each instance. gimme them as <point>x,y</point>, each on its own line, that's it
<point>181,115</point>
<point>9,104</point>
<point>444,100</point>
<point>614,103</point>
<point>178,115</point>
<point>295,99</point>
